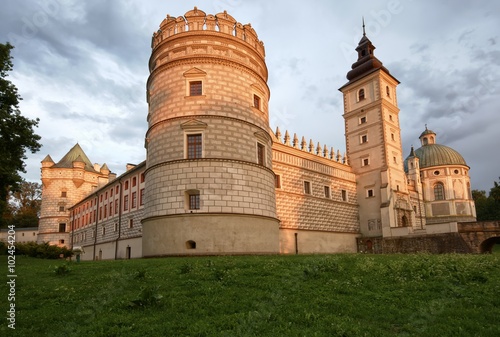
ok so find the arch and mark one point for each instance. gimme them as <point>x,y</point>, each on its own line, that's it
<point>404,221</point>
<point>487,245</point>
<point>439,191</point>
<point>190,244</point>
<point>361,94</point>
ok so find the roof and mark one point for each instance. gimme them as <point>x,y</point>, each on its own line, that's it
<point>436,155</point>
<point>75,154</point>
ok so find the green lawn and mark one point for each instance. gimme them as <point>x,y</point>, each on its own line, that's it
<point>316,295</point>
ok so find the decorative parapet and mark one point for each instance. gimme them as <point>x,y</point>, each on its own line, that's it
<point>318,150</point>
<point>198,20</point>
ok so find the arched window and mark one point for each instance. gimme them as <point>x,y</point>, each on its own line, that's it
<point>439,191</point>
<point>361,94</point>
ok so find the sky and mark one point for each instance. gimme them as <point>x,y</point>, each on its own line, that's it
<point>81,68</point>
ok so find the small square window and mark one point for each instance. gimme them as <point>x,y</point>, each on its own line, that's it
<point>64,194</point>
<point>307,187</point>
<point>366,162</point>
<point>362,120</point>
<point>364,139</point>
<point>370,193</point>
<point>195,88</point>
<point>61,208</point>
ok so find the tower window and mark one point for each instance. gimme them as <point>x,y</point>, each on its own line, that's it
<point>63,194</point>
<point>256,102</point>
<point>194,201</point>
<point>439,191</point>
<point>364,139</point>
<point>365,162</point>
<point>388,91</point>
<point>370,193</point>
<point>362,120</point>
<point>194,144</point>
<point>195,88</point>
<point>261,151</point>
<point>361,94</point>
<point>62,227</point>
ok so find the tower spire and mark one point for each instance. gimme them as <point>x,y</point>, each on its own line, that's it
<point>364,33</point>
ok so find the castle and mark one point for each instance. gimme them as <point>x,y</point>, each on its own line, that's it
<point>218,180</point>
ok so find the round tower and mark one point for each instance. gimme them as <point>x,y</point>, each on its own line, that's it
<point>209,179</point>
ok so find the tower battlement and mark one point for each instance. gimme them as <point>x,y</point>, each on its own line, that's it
<point>235,41</point>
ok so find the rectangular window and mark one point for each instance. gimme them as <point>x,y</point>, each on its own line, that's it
<point>277,181</point>
<point>366,162</point>
<point>327,191</point>
<point>370,193</point>
<point>261,152</point>
<point>307,187</point>
<point>362,120</point>
<point>116,227</point>
<point>134,199</point>
<point>62,227</point>
<point>131,223</point>
<point>194,201</point>
<point>364,139</point>
<point>195,88</point>
<point>194,144</point>
<point>256,102</point>
<point>125,203</point>
<point>344,195</point>
<point>64,194</point>
<point>141,197</point>
<point>61,208</point>
<point>116,206</point>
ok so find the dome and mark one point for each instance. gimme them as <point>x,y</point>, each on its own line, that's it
<point>436,155</point>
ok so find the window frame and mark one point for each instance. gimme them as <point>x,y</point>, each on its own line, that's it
<point>261,154</point>
<point>307,187</point>
<point>188,145</point>
<point>439,192</point>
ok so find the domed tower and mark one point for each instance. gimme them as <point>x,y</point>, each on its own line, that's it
<point>63,184</point>
<point>209,179</point>
<point>445,181</point>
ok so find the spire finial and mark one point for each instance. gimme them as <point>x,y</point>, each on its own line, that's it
<point>426,126</point>
<point>364,33</point>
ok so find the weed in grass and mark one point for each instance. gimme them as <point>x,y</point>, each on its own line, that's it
<point>140,274</point>
<point>186,268</point>
<point>62,270</point>
<point>149,296</point>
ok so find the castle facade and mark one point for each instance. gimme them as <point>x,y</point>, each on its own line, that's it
<point>218,180</point>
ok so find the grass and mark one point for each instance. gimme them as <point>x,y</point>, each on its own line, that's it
<point>316,295</point>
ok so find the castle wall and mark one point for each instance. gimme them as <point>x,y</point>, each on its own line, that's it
<point>107,221</point>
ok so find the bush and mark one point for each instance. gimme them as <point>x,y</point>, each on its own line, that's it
<point>42,250</point>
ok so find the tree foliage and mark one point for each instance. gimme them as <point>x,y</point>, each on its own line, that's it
<point>16,132</point>
<point>24,205</point>
<point>487,207</point>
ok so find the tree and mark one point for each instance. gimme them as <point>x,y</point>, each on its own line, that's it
<point>487,207</point>
<point>16,132</point>
<point>24,205</point>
